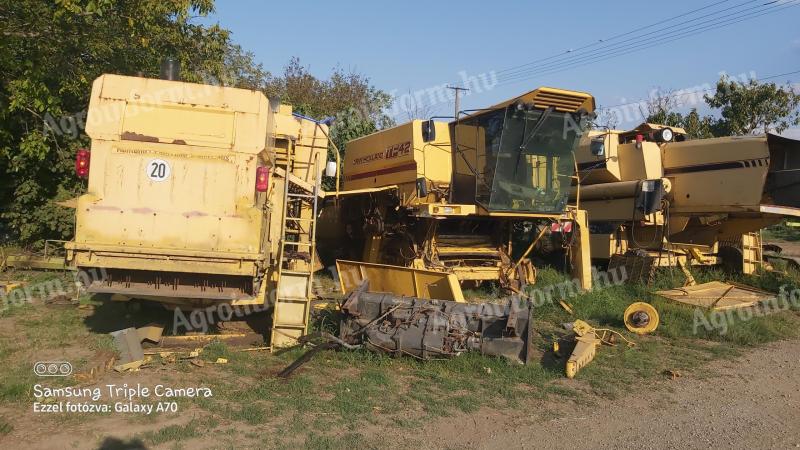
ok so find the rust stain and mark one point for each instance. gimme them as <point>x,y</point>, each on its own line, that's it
<point>179,141</point>
<point>130,136</point>
<point>105,208</point>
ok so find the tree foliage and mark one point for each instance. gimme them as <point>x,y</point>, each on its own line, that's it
<point>744,108</point>
<point>754,107</point>
<point>52,50</point>
<point>355,106</point>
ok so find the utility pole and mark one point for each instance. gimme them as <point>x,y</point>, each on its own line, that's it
<point>458,98</point>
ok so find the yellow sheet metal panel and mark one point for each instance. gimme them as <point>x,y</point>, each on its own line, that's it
<point>717,295</point>
<point>398,156</point>
<point>171,112</point>
<point>720,174</point>
<point>639,163</point>
<point>385,157</point>
<point>603,168</point>
<point>560,99</point>
<point>172,176</point>
<point>399,280</point>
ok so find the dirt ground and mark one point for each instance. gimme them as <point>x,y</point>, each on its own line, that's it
<point>790,248</point>
<point>751,402</point>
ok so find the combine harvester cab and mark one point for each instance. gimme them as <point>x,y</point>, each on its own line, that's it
<point>667,192</point>
<point>453,197</point>
<point>188,202</point>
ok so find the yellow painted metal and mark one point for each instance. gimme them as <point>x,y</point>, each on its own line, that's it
<point>8,286</point>
<point>399,156</point>
<point>567,307</point>
<point>584,352</point>
<point>295,272</point>
<point>752,253</point>
<point>587,339</point>
<point>427,284</point>
<point>395,172</point>
<point>562,99</point>
<point>586,343</point>
<point>641,308</point>
<point>715,189</point>
<point>206,210</point>
<point>335,194</point>
<point>445,209</point>
<point>476,273</point>
<point>200,217</point>
<point>581,250</point>
<point>717,295</point>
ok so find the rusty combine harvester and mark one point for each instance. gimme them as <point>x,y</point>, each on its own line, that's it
<point>200,195</point>
<point>454,197</point>
<point>676,201</point>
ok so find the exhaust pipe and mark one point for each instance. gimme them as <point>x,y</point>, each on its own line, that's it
<point>171,69</point>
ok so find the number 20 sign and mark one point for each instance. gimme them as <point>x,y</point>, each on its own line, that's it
<point>157,170</point>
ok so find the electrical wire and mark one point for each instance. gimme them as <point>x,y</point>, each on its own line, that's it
<point>581,54</point>
<point>661,40</point>
<point>682,94</point>
<point>612,37</point>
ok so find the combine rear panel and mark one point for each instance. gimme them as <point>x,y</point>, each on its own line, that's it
<point>186,189</point>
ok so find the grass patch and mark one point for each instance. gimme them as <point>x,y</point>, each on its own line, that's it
<point>194,428</point>
<point>324,442</point>
<point>782,231</point>
<point>326,400</point>
<point>5,427</point>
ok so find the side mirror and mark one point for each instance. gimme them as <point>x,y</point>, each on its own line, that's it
<point>330,169</point>
<point>422,188</point>
<point>598,147</point>
<point>428,130</point>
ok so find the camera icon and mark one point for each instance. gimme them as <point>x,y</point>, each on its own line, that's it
<point>52,368</point>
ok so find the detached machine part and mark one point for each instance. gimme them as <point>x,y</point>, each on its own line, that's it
<point>587,339</point>
<point>434,329</point>
<point>641,318</point>
<point>717,296</point>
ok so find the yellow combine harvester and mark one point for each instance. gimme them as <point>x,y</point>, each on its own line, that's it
<point>453,197</point>
<point>677,200</point>
<point>198,196</point>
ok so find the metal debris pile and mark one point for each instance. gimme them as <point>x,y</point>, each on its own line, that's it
<point>432,329</point>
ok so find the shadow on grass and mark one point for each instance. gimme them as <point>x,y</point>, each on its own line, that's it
<point>111,443</point>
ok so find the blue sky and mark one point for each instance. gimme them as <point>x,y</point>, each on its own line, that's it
<point>411,46</point>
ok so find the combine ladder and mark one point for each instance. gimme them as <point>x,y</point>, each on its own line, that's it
<point>296,259</point>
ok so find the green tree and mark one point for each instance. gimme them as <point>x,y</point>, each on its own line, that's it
<point>355,105</point>
<point>50,52</point>
<point>754,107</point>
<point>661,110</point>
<point>697,126</point>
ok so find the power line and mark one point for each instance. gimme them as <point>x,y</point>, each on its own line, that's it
<point>575,59</point>
<point>642,46</point>
<point>572,54</point>
<point>613,37</point>
<point>663,39</point>
<point>682,94</point>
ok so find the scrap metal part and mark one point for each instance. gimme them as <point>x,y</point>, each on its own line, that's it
<point>431,329</point>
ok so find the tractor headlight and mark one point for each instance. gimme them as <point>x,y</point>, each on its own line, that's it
<point>665,135</point>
